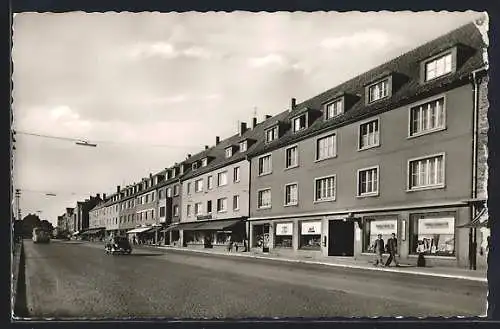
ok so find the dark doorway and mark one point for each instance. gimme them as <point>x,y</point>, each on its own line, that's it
<point>341,238</point>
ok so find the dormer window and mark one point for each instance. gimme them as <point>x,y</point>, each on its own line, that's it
<point>229,152</point>
<point>378,91</point>
<point>272,134</point>
<point>300,122</point>
<point>204,162</point>
<point>243,146</point>
<point>439,66</point>
<point>194,166</point>
<point>334,108</point>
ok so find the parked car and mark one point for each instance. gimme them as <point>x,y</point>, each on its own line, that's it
<point>118,245</point>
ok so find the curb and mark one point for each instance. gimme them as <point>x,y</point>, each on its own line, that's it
<point>358,267</point>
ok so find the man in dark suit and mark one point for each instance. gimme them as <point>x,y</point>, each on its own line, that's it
<point>378,247</point>
<point>392,248</point>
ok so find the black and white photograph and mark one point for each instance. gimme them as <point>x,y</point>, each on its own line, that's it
<point>232,165</point>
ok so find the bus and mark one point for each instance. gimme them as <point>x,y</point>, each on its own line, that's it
<point>40,235</point>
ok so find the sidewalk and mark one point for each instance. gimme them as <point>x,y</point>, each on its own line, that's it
<point>443,272</point>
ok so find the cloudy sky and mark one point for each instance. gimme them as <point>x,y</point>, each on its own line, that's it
<point>149,88</point>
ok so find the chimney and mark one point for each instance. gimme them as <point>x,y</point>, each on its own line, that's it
<point>150,175</point>
<point>243,128</point>
<point>206,147</point>
<point>104,196</point>
<point>118,189</point>
<point>98,195</point>
<point>293,102</point>
<point>217,140</point>
<point>188,155</point>
<point>254,122</point>
<point>268,116</point>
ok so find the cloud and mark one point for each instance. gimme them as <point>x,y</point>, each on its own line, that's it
<point>168,100</point>
<point>368,38</point>
<point>57,119</point>
<point>169,51</point>
<point>270,59</point>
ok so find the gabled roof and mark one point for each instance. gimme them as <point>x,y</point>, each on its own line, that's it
<point>406,65</point>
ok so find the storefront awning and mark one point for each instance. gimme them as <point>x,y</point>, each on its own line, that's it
<point>76,233</point>
<point>219,225</point>
<point>139,230</point>
<point>94,230</point>
<point>183,226</point>
<point>476,222</point>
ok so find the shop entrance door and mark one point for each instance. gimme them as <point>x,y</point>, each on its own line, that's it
<point>341,238</point>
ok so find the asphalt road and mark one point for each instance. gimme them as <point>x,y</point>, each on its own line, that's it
<point>74,279</point>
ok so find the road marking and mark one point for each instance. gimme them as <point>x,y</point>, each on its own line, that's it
<point>382,269</point>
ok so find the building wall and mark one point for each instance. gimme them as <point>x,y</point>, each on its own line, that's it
<point>111,216</point>
<point>151,205</point>
<point>165,202</point>
<point>232,188</point>
<point>391,156</point>
<point>127,213</point>
<point>176,202</point>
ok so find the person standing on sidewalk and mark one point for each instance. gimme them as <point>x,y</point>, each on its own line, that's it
<point>379,250</point>
<point>392,247</point>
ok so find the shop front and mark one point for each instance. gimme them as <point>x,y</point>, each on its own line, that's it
<point>139,235</point>
<point>219,234</point>
<point>94,234</point>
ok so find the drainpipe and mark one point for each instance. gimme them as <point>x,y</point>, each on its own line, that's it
<point>475,118</point>
<point>249,198</point>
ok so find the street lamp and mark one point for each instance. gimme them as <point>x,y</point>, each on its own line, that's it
<point>85,143</point>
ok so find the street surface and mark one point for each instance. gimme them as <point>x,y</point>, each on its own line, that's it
<point>76,279</point>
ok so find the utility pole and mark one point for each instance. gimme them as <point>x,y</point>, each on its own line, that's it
<point>18,206</point>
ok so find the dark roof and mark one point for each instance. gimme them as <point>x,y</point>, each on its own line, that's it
<point>406,66</point>
<point>218,152</point>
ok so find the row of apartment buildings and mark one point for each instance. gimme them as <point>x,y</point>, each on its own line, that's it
<point>399,149</point>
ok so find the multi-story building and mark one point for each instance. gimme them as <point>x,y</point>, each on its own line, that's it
<point>69,221</point>
<point>126,210</point>
<point>399,149</point>
<point>215,192</point>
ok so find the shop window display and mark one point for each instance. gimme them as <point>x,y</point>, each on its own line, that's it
<point>373,227</point>
<point>310,235</point>
<point>193,237</point>
<point>284,235</point>
<point>434,233</point>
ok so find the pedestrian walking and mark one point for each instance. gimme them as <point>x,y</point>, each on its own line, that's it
<point>230,247</point>
<point>379,250</point>
<point>392,247</point>
<point>420,251</point>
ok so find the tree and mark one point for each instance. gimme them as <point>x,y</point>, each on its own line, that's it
<point>46,226</point>
<point>30,221</point>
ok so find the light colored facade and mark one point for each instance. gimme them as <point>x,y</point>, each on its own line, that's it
<point>405,164</point>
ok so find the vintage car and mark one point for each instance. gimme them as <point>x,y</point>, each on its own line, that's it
<point>118,245</point>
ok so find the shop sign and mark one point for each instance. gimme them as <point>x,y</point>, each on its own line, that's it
<point>202,217</point>
<point>311,228</point>
<point>384,227</point>
<point>284,229</point>
<point>436,225</point>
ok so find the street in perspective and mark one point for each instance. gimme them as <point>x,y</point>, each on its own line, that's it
<point>250,165</point>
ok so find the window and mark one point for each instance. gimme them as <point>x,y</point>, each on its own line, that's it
<point>222,205</point>
<point>162,211</point>
<point>368,181</point>
<point>161,194</point>
<point>292,157</point>
<point>326,147</point>
<point>271,134</point>
<point>426,172</point>
<point>236,174</point>
<point>210,182</point>
<point>300,123</point>
<point>152,196</point>
<point>204,162</point>
<point>373,226</point>
<point>243,146</point>
<point>198,185</point>
<point>188,210</point>
<point>188,188</point>
<point>433,233</point>
<point>438,67</point>
<point>284,235</point>
<point>176,210</point>
<point>229,152</point>
<point>310,235</point>
<point>169,192</point>
<point>176,190</point>
<point>194,166</point>
<point>334,109</point>
<point>291,194</point>
<point>427,117</point>
<point>378,91</point>
<point>265,165</point>
<point>325,189</point>
<point>209,206</point>
<point>198,208</point>
<point>369,134</point>
<point>264,198</point>
<point>222,178</point>
<point>236,202</point>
